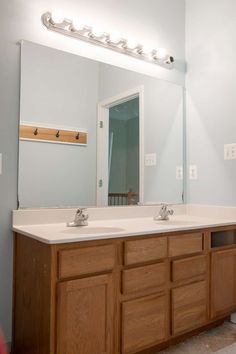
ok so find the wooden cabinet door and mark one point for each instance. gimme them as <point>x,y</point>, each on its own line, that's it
<point>144,323</point>
<point>189,307</point>
<point>84,316</point>
<point>223,282</point>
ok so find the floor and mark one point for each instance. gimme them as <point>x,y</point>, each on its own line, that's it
<point>220,340</point>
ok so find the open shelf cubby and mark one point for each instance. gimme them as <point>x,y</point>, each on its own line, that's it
<point>223,238</point>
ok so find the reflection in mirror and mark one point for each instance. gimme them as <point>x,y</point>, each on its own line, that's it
<point>95,134</point>
<point>124,153</point>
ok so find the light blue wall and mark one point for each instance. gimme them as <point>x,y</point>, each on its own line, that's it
<point>53,92</point>
<point>211,103</point>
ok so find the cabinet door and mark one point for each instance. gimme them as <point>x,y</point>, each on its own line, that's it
<point>189,307</point>
<point>144,323</point>
<point>223,282</point>
<point>84,322</point>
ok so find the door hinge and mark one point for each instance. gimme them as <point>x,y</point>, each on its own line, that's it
<point>101,124</point>
<point>100,183</point>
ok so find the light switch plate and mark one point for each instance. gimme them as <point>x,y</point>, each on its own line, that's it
<point>150,159</point>
<point>193,173</point>
<point>230,151</point>
<point>179,172</point>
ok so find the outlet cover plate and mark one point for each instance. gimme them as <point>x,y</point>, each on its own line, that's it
<point>230,151</point>
<point>151,159</point>
<point>193,172</point>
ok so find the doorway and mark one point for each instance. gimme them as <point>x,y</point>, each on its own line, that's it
<point>120,150</point>
<point>123,155</point>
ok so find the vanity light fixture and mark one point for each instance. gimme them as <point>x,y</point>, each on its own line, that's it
<point>66,27</point>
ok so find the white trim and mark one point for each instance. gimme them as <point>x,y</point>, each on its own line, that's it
<point>51,142</point>
<point>103,115</point>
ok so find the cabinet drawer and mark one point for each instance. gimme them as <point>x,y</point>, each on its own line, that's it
<point>188,268</point>
<point>144,323</point>
<point>143,278</point>
<point>150,249</point>
<point>185,244</point>
<point>86,260</point>
<point>189,307</point>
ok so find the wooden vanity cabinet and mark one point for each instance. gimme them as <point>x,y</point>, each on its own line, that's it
<point>189,307</point>
<point>188,268</point>
<point>144,322</point>
<point>189,293</point>
<point>223,282</point>
<point>85,315</point>
<point>63,297</point>
<point>118,296</point>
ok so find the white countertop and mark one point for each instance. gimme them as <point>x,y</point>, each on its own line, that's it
<point>54,233</point>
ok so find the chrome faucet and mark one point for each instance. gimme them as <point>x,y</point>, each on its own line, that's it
<point>164,213</point>
<point>81,218</point>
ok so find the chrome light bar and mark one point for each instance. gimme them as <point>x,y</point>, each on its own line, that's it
<point>66,27</point>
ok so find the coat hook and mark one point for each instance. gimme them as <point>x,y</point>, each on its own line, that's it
<point>36,131</point>
<point>58,134</point>
<point>77,137</point>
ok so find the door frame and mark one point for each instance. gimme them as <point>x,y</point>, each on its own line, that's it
<point>103,145</point>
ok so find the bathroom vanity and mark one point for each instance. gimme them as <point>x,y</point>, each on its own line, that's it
<point>122,291</point>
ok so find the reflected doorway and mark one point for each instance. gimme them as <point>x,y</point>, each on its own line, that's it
<point>120,144</point>
<point>123,154</point>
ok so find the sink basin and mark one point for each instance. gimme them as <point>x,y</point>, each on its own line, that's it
<point>90,230</point>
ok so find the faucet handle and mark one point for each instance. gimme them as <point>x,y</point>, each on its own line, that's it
<point>171,211</point>
<point>80,218</point>
<point>164,212</point>
<point>164,205</point>
<point>81,213</point>
<point>80,210</point>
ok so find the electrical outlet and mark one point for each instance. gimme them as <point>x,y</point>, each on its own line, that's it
<point>193,173</point>
<point>179,172</point>
<point>150,159</point>
<point>230,151</point>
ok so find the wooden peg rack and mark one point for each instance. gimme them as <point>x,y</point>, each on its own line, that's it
<point>28,132</point>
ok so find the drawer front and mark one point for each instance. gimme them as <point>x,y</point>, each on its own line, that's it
<point>188,268</point>
<point>80,261</point>
<point>144,278</point>
<point>150,249</point>
<point>189,307</point>
<point>144,323</point>
<point>185,244</point>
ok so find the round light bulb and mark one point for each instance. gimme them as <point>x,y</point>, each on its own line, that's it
<point>132,43</point>
<point>57,17</point>
<point>162,53</point>
<point>115,37</point>
<point>77,24</point>
<point>147,50</point>
<point>98,32</point>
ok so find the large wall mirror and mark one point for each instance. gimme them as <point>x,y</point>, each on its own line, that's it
<point>92,134</point>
